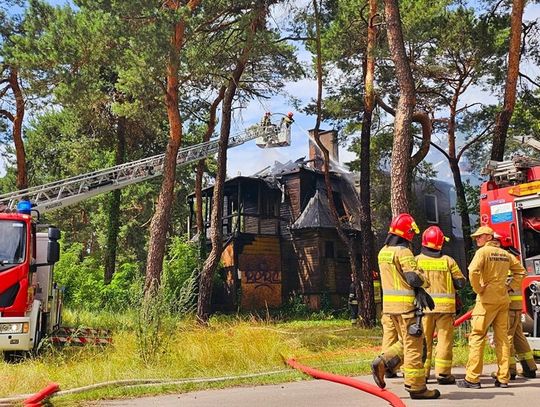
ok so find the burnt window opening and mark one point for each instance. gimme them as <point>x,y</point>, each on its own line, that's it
<point>338,203</point>
<point>430,205</point>
<point>329,250</point>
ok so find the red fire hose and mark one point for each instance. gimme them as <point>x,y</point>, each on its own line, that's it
<point>392,398</point>
<point>463,318</point>
<point>460,320</point>
<point>37,398</point>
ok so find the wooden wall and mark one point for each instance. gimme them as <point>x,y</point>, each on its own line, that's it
<point>259,265</point>
<point>321,273</point>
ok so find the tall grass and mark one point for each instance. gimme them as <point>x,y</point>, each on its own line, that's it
<point>229,346</point>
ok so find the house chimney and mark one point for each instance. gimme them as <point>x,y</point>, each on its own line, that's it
<point>329,140</point>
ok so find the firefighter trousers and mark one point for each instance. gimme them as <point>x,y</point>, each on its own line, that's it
<point>411,348</point>
<point>519,346</point>
<point>444,324</point>
<point>390,333</point>
<point>484,316</point>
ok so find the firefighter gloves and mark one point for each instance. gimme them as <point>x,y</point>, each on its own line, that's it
<point>423,299</point>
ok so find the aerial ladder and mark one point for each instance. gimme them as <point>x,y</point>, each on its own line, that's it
<point>30,300</point>
<point>72,190</point>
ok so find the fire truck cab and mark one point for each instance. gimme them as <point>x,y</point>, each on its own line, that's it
<point>510,205</point>
<point>30,302</point>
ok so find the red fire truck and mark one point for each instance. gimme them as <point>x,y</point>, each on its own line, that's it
<point>30,301</point>
<point>510,205</point>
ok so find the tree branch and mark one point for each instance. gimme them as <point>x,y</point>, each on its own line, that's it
<point>474,140</point>
<point>436,147</point>
<point>529,79</point>
<point>7,114</point>
<point>427,127</point>
<point>466,107</point>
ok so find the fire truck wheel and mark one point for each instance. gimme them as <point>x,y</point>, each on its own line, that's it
<point>13,356</point>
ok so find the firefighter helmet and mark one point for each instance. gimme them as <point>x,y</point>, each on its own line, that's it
<point>404,225</point>
<point>433,238</point>
<point>504,240</point>
<point>290,115</point>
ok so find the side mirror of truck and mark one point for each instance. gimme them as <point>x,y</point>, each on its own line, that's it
<point>54,233</point>
<point>53,248</point>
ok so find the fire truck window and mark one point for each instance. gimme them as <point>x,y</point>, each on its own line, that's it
<point>532,243</point>
<point>12,242</point>
<point>430,205</point>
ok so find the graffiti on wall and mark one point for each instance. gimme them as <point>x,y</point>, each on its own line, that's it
<point>261,281</point>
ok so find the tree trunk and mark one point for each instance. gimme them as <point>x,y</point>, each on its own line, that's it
<point>200,172</point>
<point>162,216</point>
<point>462,209</point>
<point>404,111</point>
<point>18,118</point>
<point>205,283</point>
<point>503,117</point>
<point>365,290</point>
<point>114,206</point>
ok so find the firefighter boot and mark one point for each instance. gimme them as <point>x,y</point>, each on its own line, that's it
<point>425,394</point>
<point>378,370</point>
<point>446,379</point>
<point>512,375</point>
<point>527,372</point>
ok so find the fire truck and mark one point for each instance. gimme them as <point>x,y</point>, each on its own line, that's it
<point>510,205</point>
<point>30,299</point>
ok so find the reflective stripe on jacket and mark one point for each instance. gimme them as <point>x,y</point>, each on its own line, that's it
<point>440,272</point>
<point>515,278</point>
<point>377,291</point>
<point>398,295</point>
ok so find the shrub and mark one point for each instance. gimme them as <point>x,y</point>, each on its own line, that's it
<point>82,281</point>
<point>180,273</point>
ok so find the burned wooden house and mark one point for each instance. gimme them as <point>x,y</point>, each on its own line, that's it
<point>280,235</point>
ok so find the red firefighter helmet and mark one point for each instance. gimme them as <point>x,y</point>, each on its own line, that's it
<point>433,238</point>
<point>404,225</point>
<point>504,240</point>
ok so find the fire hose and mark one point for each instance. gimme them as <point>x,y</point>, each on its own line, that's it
<point>460,320</point>
<point>392,398</point>
<point>36,399</point>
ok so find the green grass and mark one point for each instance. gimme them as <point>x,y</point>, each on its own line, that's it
<point>229,346</point>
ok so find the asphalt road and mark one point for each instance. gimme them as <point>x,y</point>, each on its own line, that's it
<point>310,393</point>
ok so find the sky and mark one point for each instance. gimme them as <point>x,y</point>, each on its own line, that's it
<point>249,159</point>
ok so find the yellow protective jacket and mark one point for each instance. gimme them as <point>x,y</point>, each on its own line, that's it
<point>515,278</point>
<point>489,267</point>
<point>441,273</point>
<point>398,295</point>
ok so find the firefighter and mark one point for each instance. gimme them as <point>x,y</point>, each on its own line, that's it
<point>444,278</point>
<point>287,120</point>
<point>488,273</point>
<point>265,122</point>
<point>353,302</point>
<point>519,346</point>
<point>402,284</point>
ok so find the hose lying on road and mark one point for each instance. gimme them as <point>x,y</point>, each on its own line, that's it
<point>392,398</point>
<point>36,399</point>
<point>130,383</point>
